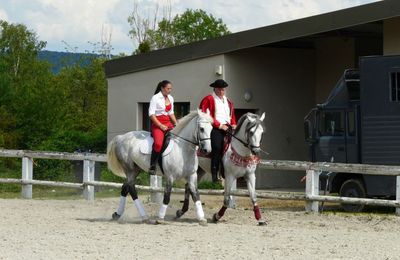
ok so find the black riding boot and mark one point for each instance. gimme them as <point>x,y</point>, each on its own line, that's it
<point>153,162</point>
<point>214,175</point>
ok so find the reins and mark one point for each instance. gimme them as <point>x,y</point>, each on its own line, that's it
<point>189,141</point>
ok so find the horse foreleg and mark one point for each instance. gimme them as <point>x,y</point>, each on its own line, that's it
<point>164,205</point>
<point>185,207</point>
<point>196,198</point>
<point>227,197</point>
<point>251,186</point>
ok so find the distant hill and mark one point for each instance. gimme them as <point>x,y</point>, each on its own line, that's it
<point>63,59</point>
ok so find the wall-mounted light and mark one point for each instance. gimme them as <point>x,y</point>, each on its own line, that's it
<point>218,70</point>
<point>247,96</point>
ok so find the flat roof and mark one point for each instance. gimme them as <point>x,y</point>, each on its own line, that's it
<point>299,28</point>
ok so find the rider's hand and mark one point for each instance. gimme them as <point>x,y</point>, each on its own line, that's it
<point>223,127</point>
<point>233,127</point>
<point>163,127</point>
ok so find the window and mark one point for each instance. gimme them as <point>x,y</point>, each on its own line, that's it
<point>395,86</point>
<point>181,109</point>
<point>352,123</point>
<point>332,123</point>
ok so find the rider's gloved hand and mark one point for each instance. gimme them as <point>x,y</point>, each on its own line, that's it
<point>223,127</point>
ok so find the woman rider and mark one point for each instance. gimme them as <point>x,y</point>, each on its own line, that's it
<point>161,113</point>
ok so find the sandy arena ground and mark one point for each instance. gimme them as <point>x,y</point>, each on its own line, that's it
<point>77,229</point>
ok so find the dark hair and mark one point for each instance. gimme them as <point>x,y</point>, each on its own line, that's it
<point>160,85</point>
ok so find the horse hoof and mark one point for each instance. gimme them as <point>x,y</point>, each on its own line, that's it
<point>115,216</point>
<point>262,223</point>
<point>203,222</point>
<point>214,218</point>
<point>147,221</point>
<point>179,213</point>
<point>160,221</point>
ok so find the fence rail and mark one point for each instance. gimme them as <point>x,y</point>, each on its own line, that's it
<point>311,195</point>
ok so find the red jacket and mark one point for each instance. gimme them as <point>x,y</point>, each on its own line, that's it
<point>209,102</point>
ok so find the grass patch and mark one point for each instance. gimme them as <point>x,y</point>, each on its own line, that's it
<point>208,185</point>
<point>13,172</point>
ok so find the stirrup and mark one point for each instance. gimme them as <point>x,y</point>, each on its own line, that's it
<point>152,171</point>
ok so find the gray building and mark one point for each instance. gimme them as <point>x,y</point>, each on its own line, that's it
<point>283,70</point>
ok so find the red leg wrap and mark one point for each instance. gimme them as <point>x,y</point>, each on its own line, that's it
<point>257,213</point>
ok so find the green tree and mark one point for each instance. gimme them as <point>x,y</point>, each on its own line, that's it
<point>190,26</point>
<point>26,100</point>
<point>42,111</point>
<point>84,109</point>
<point>193,26</point>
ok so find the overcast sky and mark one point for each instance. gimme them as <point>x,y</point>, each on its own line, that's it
<point>78,22</point>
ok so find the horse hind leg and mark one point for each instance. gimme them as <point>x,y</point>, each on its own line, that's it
<point>129,188</point>
<point>185,206</point>
<point>251,183</point>
<point>122,202</point>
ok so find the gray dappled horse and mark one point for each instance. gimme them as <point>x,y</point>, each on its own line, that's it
<point>240,160</point>
<point>125,159</point>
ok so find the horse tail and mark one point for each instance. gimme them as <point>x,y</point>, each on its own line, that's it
<point>113,163</point>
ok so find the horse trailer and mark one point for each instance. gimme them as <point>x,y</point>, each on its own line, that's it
<point>359,123</point>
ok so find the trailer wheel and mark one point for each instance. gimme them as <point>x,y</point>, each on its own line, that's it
<point>352,188</point>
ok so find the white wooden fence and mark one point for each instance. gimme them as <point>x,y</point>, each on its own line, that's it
<point>311,195</point>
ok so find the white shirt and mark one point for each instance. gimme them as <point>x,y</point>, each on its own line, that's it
<point>157,105</point>
<point>222,111</point>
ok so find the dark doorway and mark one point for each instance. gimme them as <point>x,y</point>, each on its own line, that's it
<point>181,109</point>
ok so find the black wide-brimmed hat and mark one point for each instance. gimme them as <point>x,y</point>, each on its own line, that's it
<point>219,83</point>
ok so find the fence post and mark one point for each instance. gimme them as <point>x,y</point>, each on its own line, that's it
<point>398,194</point>
<point>232,201</point>
<point>27,170</point>
<point>312,188</point>
<point>88,175</point>
<point>156,182</point>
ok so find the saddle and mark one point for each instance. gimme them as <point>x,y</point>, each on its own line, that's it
<point>146,147</point>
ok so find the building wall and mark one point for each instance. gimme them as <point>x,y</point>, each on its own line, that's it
<point>333,56</point>
<point>190,83</point>
<point>282,85</point>
<point>391,36</point>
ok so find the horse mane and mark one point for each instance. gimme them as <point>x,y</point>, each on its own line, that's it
<point>184,121</point>
<point>244,117</point>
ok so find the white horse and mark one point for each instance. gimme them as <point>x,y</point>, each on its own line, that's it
<point>240,160</point>
<point>125,159</point>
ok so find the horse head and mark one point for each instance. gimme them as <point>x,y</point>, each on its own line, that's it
<point>204,128</point>
<point>249,131</point>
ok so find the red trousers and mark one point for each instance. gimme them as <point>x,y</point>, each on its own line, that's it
<point>158,134</point>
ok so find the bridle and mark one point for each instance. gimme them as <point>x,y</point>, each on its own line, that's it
<point>198,140</point>
<point>246,144</point>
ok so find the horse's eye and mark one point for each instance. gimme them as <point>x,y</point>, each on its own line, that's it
<point>202,130</point>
